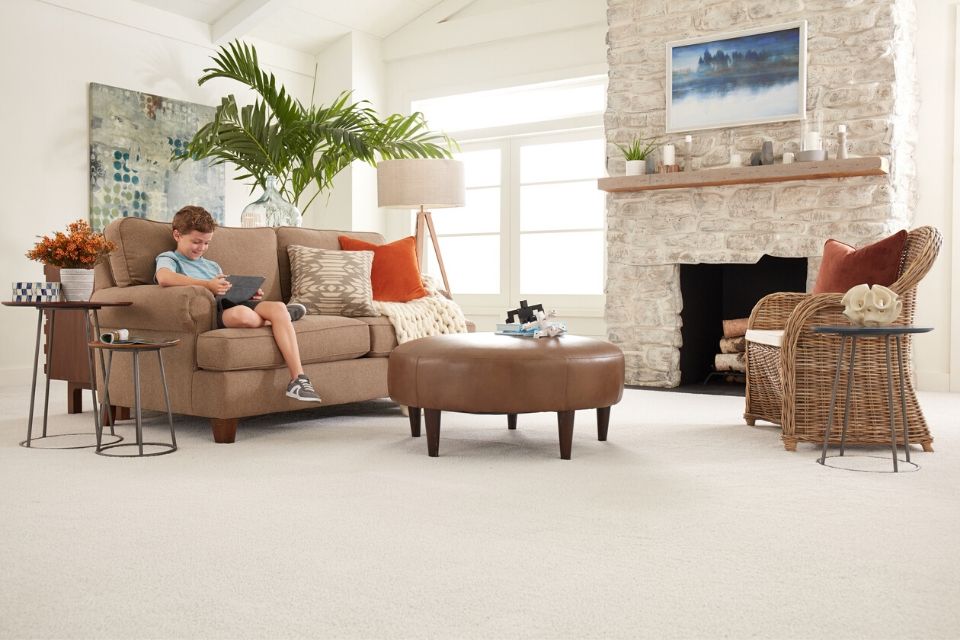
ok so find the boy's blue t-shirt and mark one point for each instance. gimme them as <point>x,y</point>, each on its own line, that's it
<point>201,268</point>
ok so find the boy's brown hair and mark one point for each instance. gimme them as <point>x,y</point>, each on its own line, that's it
<point>193,218</point>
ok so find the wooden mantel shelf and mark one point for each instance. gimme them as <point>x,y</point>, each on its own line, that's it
<point>872,166</point>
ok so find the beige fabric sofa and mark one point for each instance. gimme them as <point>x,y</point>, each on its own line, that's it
<point>228,374</point>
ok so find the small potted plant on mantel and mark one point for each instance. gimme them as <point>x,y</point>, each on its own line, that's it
<point>75,253</point>
<point>636,155</point>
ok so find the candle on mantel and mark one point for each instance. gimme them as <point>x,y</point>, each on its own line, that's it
<point>669,155</point>
<point>812,141</point>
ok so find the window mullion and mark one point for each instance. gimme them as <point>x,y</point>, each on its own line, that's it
<point>513,189</point>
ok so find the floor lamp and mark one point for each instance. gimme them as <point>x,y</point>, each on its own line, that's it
<point>424,184</point>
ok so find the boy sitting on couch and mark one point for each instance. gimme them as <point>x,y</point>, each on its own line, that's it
<point>193,229</point>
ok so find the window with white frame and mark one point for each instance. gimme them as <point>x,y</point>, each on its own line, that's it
<point>533,224</point>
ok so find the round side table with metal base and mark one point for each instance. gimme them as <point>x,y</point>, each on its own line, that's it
<point>91,330</point>
<point>136,348</point>
<point>854,332</point>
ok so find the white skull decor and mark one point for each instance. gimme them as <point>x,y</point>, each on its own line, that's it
<point>871,306</point>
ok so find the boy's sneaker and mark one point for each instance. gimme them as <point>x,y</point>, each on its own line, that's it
<point>301,389</point>
<point>296,311</point>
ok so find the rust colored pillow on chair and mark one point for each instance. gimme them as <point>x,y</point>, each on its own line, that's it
<point>396,274</point>
<point>844,267</point>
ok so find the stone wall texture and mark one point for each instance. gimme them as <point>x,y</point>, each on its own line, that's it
<point>861,71</point>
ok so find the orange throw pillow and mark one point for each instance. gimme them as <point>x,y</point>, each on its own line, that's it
<point>844,267</point>
<point>396,274</point>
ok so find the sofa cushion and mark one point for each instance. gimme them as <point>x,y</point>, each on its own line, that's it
<point>315,238</point>
<point>139,242</point>
<point>383,337</point>
<point>844,267</point>
<point>248,252</point>
<point>321,339</point>
<point>237,251</point>
<point>331,282</point>
<point>396,273</point>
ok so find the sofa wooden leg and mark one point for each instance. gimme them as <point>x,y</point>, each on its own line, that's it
<point>750,420</point>
<point>119,413</point>
<point>511,421</point>
<point>414,413</point>
<point>790,444</point>
<point>224,431</point>
<point>927,446</point>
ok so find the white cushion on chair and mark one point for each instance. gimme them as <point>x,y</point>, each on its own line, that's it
<point>771,337</point>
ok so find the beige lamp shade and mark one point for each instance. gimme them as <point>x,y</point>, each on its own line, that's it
<point>431,183</point>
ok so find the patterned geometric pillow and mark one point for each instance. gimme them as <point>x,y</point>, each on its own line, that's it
<point>330,282</point>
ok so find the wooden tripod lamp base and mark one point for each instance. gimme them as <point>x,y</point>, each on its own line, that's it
<point>424,224</point>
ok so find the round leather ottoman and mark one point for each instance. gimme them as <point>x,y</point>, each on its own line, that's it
<point>490,373</point>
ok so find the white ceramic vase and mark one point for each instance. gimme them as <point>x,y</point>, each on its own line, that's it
<point>76,284</point>
<point>636,167</point>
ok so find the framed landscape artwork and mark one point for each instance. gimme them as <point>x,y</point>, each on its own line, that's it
<point>748,77</point>
<point>133,136</point>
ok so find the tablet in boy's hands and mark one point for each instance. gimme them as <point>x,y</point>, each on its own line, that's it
<point>243,288</point>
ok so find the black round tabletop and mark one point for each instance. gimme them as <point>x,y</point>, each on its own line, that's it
<point>855,330</point>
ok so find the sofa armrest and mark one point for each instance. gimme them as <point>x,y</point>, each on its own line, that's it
<point>189,309</point>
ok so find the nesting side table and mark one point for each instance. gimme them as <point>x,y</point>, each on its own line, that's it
<point>90,330</point>
<point>136,348</point>
<point>854,333</point>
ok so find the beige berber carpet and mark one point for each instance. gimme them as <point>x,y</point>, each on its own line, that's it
<point>335,523</point>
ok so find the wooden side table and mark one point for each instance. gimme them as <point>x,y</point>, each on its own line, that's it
<point>87,308</point>
<point>854,333</point>
<point>135,348</point>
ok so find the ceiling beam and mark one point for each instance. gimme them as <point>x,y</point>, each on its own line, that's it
<point>241,19</point>
<point>433,31</point>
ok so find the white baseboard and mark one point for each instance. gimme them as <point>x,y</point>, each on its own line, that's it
<point>16,375</point>
<point>936,381</point>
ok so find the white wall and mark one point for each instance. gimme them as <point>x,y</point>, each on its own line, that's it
<point>936,163</point>
<point>353,62</point>
<point>48,55</point>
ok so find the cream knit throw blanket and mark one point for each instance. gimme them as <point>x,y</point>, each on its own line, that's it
<point>431,315</point>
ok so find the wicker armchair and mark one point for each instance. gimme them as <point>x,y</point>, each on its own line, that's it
<point>790,385</point>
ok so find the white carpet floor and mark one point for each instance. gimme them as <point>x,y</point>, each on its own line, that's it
<point>334,523</point>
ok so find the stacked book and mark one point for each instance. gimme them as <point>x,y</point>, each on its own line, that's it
<point>534,330</point>
<point>516,329</point>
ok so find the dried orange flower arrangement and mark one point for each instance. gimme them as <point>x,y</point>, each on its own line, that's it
<point>80,248</point>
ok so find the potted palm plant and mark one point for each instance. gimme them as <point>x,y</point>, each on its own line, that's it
<point>278,141</point>
<point>636,154</point>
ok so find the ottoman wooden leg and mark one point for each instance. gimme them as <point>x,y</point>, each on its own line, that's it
<point>511,421</point>
<point>565,421</point>
<point>433,432</point>
<point>603,421</point>
<point>414,413</point>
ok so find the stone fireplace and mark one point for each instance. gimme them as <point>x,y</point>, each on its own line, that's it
<point>860,72</point>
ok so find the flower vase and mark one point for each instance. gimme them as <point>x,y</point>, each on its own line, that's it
<point>271,210</point>
<point>76,284</point>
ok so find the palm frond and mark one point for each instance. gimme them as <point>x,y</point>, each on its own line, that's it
<point>277,136</point>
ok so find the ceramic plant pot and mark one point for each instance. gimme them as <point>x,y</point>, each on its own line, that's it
<point>76,284</point>
<point>636,167</point>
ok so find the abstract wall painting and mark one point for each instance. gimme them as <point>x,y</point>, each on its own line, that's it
<point>747,77</point>
<point>132,138</point>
